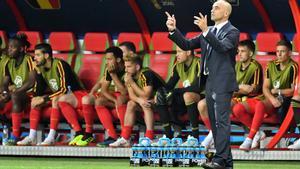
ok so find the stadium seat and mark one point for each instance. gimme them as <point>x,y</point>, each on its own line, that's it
<point>64,46</point>
<point>161,42</point>
<point>161,57</point>
<point>296,42</point>
<point>245,36</point>
<point>266,41</point>
<point>34,37</point>
<point>4,39</point>
<point>96,42</point>
<point>191,35</point>
<point>265,59</point>
<point>160,63</point>
<point>90,66</point>
<point>135,38</point>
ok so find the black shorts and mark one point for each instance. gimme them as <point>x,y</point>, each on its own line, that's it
<point>177,103</point>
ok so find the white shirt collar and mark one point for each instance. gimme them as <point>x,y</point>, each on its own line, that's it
<point>220,25</point>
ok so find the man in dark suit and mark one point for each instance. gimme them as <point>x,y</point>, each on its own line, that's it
<point>219,47</point>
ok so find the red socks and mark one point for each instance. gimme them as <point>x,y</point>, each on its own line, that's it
<point>257,119</point>
<point>206,122</point>
<point>88,114</point>
<point>126,132</point>
<point>35,115</point>
<point>107,121</point>
<point>54,118</point>
<point>16,123</point>
<point>70,114</point>
<point>149,134</point>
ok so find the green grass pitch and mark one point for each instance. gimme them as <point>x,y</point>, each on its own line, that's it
<point>99,163</point>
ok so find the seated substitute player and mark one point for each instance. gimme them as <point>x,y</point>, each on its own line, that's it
<point>278,89</point>
<point>70,105</point>
<point>249,75</point>
<point>186,71</point>
<point>54,75</point>
<point>18,70</point>
<point>113,95</point>
<point>142,84</point>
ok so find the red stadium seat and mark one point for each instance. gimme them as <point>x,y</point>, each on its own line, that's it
<point>245,36</point>
<point>161,64</point>
<point>264,60</point>
<point>64,45</point>
<point>96,42</point>
<point>161,42</point>
<point>191,35</point>
<point>266,41</point>
<point>34,37</point>
<point>89,67</point>
<point>135,38</point>
<point>160,60</point>
<point>296,42</point>
<point>4,39</point>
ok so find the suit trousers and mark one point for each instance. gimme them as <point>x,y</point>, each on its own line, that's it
<point>219,108</point>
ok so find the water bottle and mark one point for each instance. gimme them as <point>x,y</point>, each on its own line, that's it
<point>5,135</point>
<point>69,89</point>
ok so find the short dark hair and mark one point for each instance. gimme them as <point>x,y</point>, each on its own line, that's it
<point>249,44</point>
<point>22,39</point>
<point>285,43</point>
<point>129,45</point>
<point>45,48</point>
<point>134,59</point>
<point>116,51</point>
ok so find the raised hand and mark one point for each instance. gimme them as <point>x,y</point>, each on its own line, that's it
<point>201,22</point>
<point>171,22</point>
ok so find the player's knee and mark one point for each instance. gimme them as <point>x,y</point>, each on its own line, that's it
<point>131,104</point>
<point>202,107</point>
<point>54,102</point>
<point>87,99</point>
<point>187,96</point>
<point>238,110</point>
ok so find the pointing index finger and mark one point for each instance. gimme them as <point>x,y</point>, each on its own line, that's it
<point>168,15</point>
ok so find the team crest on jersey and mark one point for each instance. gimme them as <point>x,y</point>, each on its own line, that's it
<point>186,83</point>
<point>276,84</point>
<point>18,81</point>
<point>53,84</point>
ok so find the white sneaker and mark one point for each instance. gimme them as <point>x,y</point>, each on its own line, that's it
<point>27,141</point>
<point>47,142</point>
<point>295,145</point>
<point>208,142</point>
<point>259,136</point>
<point>246,145</point>
<point>121,142</point>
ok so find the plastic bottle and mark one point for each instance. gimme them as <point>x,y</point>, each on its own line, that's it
<point>5,135</point>
<point>69,90</point>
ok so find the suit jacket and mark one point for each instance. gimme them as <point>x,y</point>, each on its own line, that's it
<point>220,51</point>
